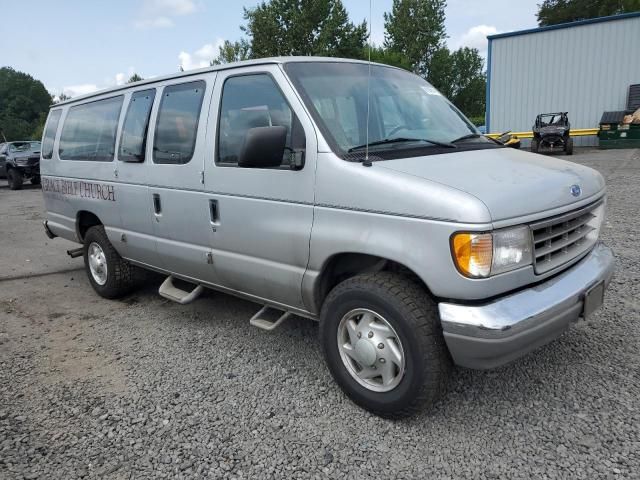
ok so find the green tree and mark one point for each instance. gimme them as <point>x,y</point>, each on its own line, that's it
<point>460,76</point>
<point>233,52</point>
<point>134,78</point>
<point>386,56</point>
<point>303,27</point>
<point>23,102</point>
<point>469,81</point>
<point>415,29</point>
<point>441,72</point>
<point>39,130</point>
<point>553,12</point>
<point>62,97</point>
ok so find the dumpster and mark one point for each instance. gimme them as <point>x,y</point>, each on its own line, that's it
<point>616,131</point>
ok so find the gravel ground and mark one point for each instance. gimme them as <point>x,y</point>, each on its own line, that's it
<point>145,388</point>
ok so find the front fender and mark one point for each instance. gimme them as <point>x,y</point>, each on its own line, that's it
<point>420,245</point>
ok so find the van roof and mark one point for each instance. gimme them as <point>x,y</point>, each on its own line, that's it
<point>214,68</point>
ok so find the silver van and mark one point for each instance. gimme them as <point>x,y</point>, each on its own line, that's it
<point>347,193</point>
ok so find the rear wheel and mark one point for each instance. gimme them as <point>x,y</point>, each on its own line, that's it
<point>14,178</point>
<point>535,145</point>
<point>110,275</point>
<point>568,146</point>
<point>381,338</point>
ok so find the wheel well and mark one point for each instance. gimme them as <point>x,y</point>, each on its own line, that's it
<point>346,265</point>
<point>84,221</point>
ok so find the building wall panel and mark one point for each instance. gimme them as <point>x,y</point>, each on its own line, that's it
<point>584,70</point>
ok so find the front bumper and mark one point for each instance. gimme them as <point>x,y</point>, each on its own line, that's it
<point>489,335</point>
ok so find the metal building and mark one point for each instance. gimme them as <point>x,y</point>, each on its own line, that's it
<point>584,68</point>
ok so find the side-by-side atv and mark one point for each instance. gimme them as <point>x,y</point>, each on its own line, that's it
<point>551,131</point>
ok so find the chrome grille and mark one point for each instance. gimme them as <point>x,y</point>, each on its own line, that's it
<point>560,239</point>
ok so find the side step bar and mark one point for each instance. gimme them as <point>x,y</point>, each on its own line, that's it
<point>260,319</point>
<point>169,291</point>
<point>76,252</point>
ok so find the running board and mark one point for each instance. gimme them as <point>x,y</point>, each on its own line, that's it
<point>262,323</point>
<point>169,291</point>
<point>76,252</point>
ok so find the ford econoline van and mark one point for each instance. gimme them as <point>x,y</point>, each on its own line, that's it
<point>351,194</point>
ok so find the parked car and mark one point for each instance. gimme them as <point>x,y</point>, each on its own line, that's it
<point>3,172</point>
<point>412,239</point>
<point>20,161</point>
<point>552,130</point>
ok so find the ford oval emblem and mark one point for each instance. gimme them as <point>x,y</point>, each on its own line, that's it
<point>576,190</point>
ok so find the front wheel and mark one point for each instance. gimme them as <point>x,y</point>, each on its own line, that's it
<point>14,178</point>
<point>382,342</point>
<point>35,180</point>
<point>110,275</point>
<point>535,145</point>
<point>568,146</point>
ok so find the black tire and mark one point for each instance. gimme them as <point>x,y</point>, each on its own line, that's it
<point>414,317</point>
<point>122,277</point>
<point>14,178</point>
<point>535,145</point>
<point>568,146</point>
<point>35,180</point>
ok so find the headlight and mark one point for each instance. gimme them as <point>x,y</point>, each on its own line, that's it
<point>479,255</point>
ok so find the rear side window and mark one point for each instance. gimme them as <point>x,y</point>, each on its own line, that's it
<point>252,101</point>
<point>133,140</point>
<point>89,131</point>
<point>177,123</point>
<point>50,133</point>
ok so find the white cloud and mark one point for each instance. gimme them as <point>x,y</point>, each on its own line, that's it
<point>475,37</point>
<point>82,89</point>
<point>201,57</point>
<point>159,13</point>
<point>119,78</point>
<point>157,22</point>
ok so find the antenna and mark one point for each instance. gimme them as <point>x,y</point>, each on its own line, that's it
<point>367,162</point>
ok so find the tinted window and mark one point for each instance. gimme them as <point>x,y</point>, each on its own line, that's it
<point>89,131</point>
<point>177,124</point>
<point>254,101</point>
<point>50,133</point>
<point>402,105</point>
<point>133,140</point>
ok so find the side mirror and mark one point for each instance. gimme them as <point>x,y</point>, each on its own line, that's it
<point>263,147</point>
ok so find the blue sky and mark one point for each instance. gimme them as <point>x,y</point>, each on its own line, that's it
<point>78,46</point>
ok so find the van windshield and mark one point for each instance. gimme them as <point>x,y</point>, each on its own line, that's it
<point>405,111</point>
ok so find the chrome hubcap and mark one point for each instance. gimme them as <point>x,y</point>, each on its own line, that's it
<point>97,263</point>
<point>371,350</point>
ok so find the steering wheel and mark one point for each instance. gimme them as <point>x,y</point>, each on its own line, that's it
<point>397,129</point>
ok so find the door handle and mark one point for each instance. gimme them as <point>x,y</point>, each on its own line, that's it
<point>157,206</point>
<point>214,212</point>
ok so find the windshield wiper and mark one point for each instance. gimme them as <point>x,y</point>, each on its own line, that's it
<point>401,139</point>
<point>464,137</point>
